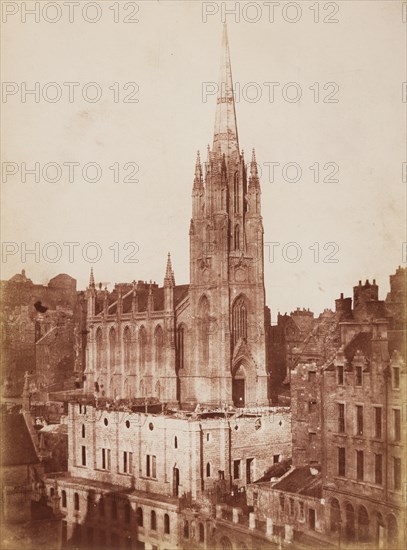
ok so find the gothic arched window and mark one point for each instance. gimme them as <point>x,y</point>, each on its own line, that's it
<point>236,192</point>
<point>158,345</point>
<point>112,348</point>
<point>153,521</point>
<point>166,524</point>
<point>99,344</point>
<point>237,237</point>
<point>143,346</point>
<point>181,346</point>
<point>139,517</point>
<point>239,320</point>
<point>126,346</point>
<point>204,329</point>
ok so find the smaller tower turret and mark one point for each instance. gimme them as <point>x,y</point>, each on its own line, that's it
<point>169,284</point>
<point>91,295</point>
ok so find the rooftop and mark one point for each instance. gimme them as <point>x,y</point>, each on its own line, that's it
<point>17,447</point>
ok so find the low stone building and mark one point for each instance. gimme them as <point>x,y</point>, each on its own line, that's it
<point>163,465</point>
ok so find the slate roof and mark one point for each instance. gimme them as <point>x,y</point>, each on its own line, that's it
<point>180,292</point>
<point>301,481</point>
<point>361,342</point>
<point>17,447</point>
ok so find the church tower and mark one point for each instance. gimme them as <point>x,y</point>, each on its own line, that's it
<point>227,358</point>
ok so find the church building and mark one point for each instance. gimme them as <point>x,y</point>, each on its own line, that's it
<point>204,342</point>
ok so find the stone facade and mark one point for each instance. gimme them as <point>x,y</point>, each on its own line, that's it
<point>204,342</point>
<point>189,453</point>
<point>194,354</point>
<point>42,332</point>
<point>176,464</point>
<point>348,429</point>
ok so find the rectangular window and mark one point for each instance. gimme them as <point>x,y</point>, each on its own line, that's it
<point>341,461</point>
<point>255,498</point>
<point>359,465</point>
<point>312,406</point>
<point>151,465</point>
<point>359,376</point>
<point>282,501</point>
<point>236,469</point>
<point>311,518</point>
<point>378,469</point>
<point>312,376</point>
<point>341,418</point>
<point>340,375</point>
<point>127,462</point>
<point>397,424</point>
<point>397,473</point>
<point>359,420</point>
<point>396,377</point>
<point>105,459</point>
<point>276,459</point>
<point>378,422</point>
<point>83,455</point>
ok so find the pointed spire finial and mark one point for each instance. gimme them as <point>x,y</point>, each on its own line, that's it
<point>198,169</point>
<point>91,279</point>
<point>225,137</point>
<point>253,165</point>
<point>169,279</point>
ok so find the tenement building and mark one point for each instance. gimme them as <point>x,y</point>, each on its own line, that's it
<point>174,417</point>
<point>347,481</point>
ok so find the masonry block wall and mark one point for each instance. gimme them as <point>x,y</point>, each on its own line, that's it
<point>306,403</point>
<point>172,455</point>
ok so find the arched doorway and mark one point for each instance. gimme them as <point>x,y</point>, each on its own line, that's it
<point>363,524</point>
<point>379,531</point>
<point>392,531</point>
<point>335,516</point>
<point>225,544</point>
<point>238,387</point>
<point>350,522</point>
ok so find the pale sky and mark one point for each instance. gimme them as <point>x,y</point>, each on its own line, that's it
<point>171,53</point>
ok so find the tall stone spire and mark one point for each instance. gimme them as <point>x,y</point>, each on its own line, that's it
<point>225,139</point>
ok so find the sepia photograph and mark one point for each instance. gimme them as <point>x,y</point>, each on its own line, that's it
<point>203,275</point>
